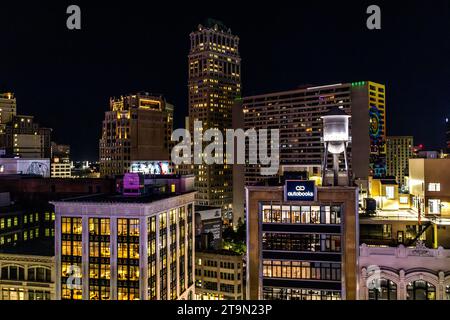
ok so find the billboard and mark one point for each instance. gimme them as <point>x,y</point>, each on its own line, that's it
<point>40,167</point>
<point>300,190</point>
<point>150,167</point>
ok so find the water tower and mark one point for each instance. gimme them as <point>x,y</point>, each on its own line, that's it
<point>335,139</point>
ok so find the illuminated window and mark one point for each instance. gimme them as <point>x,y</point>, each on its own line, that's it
<point>434,187</point>
<point>390,192</point>
<point>434,206</point>
<point>404,200</point>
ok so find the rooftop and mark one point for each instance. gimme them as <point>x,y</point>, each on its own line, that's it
<point>118,198</point>
<point>222,252</point>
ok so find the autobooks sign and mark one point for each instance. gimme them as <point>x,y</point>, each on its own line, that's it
<point>300,190</point>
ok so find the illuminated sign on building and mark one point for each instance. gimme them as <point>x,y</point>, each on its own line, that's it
<point>133,184</point>
<point>300,190</point>
<point>150,167</point>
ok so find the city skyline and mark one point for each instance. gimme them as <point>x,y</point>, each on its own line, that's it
<point>310,157</point>
<point>61,61</point>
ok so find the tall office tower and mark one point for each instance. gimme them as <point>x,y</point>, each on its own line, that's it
<point>399,149</point>
<point>119,247</point>
<point>296,113</point>
<point>24,138</point>
<point>8,107</point>
<point>214,85</point>
<point>136,130</point>
<point>60,162</point>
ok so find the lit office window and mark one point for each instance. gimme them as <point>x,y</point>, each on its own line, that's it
<point>128,259</point>
<point>99,259</point>
<point>71,252</point>
<point>403,200</point>
<point>151,230</point>
<point>390,192</point>
<point>434,187</point>
<point>434,206</point>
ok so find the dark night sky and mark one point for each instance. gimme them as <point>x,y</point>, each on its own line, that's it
<point>65,78</point>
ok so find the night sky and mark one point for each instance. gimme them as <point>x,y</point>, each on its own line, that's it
<point>65,78</point>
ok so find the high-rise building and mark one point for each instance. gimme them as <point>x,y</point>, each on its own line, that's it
<point>8,107</point>
<point>137,127</point>
<point>24,138</point>
<point>118,247</point>
<point>214,85</point>
<point>60,164</point>
<point>302,241</point>
<point>399,149</point>
<point>297,114</point>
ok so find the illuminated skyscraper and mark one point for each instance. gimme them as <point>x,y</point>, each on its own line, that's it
<point>136,128</point>
<point>214,84</point>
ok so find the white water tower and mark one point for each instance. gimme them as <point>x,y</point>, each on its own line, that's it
<point>335,139</point>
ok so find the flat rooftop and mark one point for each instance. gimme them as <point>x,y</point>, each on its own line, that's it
<point>221,252</point>
<point>119,198</point>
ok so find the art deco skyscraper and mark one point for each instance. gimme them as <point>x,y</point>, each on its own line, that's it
<point>214,84</point>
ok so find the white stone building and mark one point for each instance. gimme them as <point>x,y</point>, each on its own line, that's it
<point>404,273</point>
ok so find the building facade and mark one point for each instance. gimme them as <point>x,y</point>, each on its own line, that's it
<point>61,166</point>
<point>401,273</point>
<point>138,127</point>
<point>218,275</point>
<point>214,84</point>
<point>125,248</point>
<point>22,223</point>
<point>399,149</point>
<point>429,186</point>
<point>27,277</point>
<point>304,246</point>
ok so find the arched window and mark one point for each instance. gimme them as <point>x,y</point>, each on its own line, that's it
<point>386,291</point>
<point>13,273</point>
<point>39,274</point>
<point>421,290</point>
